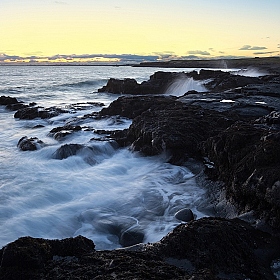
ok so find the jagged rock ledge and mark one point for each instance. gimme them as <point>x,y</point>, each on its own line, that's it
<point>209,248</point>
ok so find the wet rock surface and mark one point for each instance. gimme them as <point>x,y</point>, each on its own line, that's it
<point>30,144</point>
<point>237,130</point>
<point>208,248</point>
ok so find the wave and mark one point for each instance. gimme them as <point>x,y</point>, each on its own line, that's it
<point>250,72</point>
<point>81,84</point>
<point>182,85</point>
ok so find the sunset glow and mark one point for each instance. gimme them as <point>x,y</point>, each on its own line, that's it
<point>103,31</point>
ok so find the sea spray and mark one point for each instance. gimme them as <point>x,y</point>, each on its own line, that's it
<point>184,84</point>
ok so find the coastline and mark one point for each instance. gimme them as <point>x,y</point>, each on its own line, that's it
<point>175,256</point>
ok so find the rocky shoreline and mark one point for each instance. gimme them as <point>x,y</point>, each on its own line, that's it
<point>232,132</point>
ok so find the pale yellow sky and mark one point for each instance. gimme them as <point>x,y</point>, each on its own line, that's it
<point>150,29</point>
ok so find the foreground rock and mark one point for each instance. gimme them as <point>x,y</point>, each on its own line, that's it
<point>189,252</point>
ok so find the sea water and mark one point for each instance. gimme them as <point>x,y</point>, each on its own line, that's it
<point>88,194</point>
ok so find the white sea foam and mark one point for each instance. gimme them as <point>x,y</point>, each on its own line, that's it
<point>250,72</point>
<point>184,84</point>
<point>93,192</point>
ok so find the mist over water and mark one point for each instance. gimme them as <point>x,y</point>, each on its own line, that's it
<point>183,85</point>
<point>101,191</point>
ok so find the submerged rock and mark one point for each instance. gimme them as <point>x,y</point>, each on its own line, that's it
<point>30,144</point>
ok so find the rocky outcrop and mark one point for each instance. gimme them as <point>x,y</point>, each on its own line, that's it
<point>30,113</point>
<point>246,158</point>
<point>30,144</point>
<point>208,248</point>
<point>60,132</point>
<point>160,81</point>
<point>237,131</point>
<point>11,103</point>
<point>241,254</point>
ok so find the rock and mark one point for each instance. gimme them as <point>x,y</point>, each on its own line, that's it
<point>173,127</point>
<point>226,247</point>
<point>126,86</point>
<point>67,150</point>
<point>7,100</point>
<point>30,144</point>
<point>131,107</point>
<point>160,81</point>
<point>33,253</point>
<point>131,237</point>
<point>209,248</point>
<point>30,113</point>
<point>246,158</point>
<point>184,215</point>
<point>58,133</point>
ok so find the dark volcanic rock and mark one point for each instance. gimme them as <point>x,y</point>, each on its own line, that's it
<point>184,215</point>
<point>160,81</point>
<point>30,144</point>
<point>131,237</point>
<point>126,86</point>
<point>60,132</point>
<point>67,150</point>
<point>246,158</point>
<point>168,125</point>
<point>204,249</point>
<point>32,253</point>
<point>131,107</point>
<point>30,113</point>
<point>11,103</point>
<point>227,247</point>
<point>6,100</point>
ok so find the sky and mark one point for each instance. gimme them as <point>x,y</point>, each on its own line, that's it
<point>129,31</point>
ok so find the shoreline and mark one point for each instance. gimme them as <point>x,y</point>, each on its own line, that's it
<point>235,143</point>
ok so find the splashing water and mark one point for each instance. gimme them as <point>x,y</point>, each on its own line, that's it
<point>182,85</point>
<point>250,72</point>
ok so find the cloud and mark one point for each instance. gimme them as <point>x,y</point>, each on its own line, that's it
<point>252,48</point>
<point>82,58</point>
<point>265,52</point>
<point>199,52</point>
<point>60,2</point>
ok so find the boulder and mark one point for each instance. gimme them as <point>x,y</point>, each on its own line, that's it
<point>67,150</point>
<point>30,144</point>
<point>184,215</point>
<point>131,237</point>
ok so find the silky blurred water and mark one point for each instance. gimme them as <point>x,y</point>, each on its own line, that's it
<point>91,193</point>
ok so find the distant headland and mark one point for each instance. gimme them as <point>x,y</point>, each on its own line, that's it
<point>270,64</point>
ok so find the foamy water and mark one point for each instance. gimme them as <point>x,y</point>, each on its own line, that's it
<point>101,191</point>
<point>95,192</point>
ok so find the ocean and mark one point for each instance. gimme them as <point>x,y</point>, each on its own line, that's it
<point>98,195</point>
